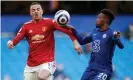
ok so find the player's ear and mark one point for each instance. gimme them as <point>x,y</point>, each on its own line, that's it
<point>106,20</point>
<point>30,12</point>
<point>42,11</point>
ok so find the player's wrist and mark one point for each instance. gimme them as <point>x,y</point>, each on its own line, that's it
<point>11,42</point>
<point>76,44</point>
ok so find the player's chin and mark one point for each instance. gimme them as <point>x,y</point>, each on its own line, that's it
<point>36,18</point>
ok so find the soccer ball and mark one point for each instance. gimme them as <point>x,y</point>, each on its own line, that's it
<point>62,17</point>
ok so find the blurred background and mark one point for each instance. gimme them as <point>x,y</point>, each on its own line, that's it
<point>70,66</point>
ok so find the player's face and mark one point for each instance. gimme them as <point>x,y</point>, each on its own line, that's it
<point>36,11</point>
<point>101,20</point>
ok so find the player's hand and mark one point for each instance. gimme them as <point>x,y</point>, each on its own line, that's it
<point>79,50</point>
<point>77,47</point>
<point>117,35</point>
<point>10,44</point>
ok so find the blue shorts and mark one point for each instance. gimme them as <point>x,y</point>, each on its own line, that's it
<point>91,74</point>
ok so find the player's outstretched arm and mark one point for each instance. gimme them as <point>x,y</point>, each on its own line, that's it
<point>82,40</point>
<point>77,47</point>
<point>116,39</point>
<point>20,36</point>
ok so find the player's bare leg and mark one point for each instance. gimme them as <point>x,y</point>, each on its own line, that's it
<point>30,76</point>
<point>44,75</point>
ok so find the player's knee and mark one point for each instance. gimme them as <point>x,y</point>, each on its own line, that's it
<point>43,75</point>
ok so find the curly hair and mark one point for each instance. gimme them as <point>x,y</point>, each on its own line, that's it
<point>110,15</point>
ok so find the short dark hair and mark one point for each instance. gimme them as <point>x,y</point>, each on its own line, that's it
<point>35,3</point>
<point>110,15</point>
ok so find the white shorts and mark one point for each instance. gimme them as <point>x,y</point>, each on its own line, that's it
<point>50,66</point>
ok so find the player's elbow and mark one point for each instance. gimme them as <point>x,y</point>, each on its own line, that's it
<point>120,44</point>
<point>81,43</point>
<point>121,47</point>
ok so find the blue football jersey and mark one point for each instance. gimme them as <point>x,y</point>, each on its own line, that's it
<point>103,45</point>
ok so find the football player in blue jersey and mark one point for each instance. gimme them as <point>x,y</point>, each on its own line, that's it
<point>104,40</point>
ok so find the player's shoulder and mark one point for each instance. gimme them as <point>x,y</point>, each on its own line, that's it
<point>96,30</point>
<point>28,22</point>
<point>111,31</point>
<point>48,19</point>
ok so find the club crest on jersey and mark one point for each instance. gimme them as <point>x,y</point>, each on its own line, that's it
<point>44,29</point>
<point>104,35</point>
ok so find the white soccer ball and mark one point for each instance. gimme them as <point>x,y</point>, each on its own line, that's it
<point>62,17</point>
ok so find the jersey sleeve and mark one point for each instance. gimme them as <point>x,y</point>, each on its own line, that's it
<point>67,31</point>
<point>20,35</point>
<point>117,42</point>
<point>82,40</point>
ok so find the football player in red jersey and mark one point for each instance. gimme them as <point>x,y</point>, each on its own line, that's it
<point>39,33</point>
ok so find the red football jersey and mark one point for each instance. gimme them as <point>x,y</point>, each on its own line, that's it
<point>40,37</point>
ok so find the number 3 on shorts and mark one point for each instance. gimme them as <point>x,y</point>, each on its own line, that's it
<point>102,76</point>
